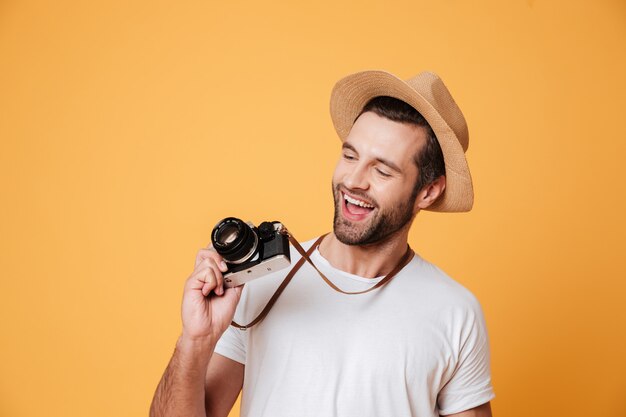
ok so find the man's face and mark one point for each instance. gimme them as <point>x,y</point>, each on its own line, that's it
<point>374,180</point>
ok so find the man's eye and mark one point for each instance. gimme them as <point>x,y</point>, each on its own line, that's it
<point>348,157</point>
<point>383,173</point>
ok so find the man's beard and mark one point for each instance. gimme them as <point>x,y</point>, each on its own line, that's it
<point>380,226</point>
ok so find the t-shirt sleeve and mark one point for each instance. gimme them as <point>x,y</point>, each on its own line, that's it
<point>470,384</point>
<point>232,345</point>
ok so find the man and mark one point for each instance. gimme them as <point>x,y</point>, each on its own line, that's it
<point>415,346</point>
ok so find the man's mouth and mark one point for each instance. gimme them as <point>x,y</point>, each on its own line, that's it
<point>355,208</point>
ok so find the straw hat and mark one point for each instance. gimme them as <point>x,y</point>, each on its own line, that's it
<point>429,96</point>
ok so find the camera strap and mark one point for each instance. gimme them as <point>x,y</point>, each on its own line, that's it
<point>406,258</point>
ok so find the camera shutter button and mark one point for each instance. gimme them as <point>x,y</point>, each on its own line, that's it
<point>266,231</point>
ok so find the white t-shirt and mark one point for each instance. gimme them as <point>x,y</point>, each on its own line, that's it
<point>417,346</point>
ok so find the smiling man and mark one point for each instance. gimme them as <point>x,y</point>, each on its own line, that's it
<point>392,334</point>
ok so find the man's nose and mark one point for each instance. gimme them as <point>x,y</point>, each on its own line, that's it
<point>357,178</point>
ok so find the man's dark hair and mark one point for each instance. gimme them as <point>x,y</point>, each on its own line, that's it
<point>429,159</point>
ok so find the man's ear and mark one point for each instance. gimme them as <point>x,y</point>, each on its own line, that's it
<point>429,194</point>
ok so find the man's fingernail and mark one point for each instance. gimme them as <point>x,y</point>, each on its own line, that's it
<point>223,266</point>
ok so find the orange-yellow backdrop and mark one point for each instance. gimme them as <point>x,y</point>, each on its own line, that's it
<point>129,128</point>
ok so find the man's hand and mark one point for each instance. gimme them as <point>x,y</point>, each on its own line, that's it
<point>207,311</point>
<point>208,307</point>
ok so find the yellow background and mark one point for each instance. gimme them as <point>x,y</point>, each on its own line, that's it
<point>129,128</point>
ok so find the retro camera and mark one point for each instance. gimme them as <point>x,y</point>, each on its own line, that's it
<point>249,251</point>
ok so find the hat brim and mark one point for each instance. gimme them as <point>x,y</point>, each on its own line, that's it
<point>350,95</point>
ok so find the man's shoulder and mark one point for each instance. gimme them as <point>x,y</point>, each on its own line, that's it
<point>432,281</point>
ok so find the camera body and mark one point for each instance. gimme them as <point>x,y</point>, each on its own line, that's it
<point>250,252</point>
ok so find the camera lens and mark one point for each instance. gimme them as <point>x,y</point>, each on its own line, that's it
<point>235,240</point>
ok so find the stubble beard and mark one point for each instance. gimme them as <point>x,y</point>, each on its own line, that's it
<point>381,225</point>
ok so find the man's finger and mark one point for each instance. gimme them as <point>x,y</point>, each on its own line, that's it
<point>207,254</point>
<point>200,278</point>
<point>219,278</point>
<point>207,278</point>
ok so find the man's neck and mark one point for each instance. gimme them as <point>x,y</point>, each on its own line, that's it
<point>369,261</point>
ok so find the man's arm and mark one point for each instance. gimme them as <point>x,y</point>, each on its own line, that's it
<point>480,411</point>
<point>186,390</point>
<point>198,383</point>
<point>224,380</point>
<point>181,389</point>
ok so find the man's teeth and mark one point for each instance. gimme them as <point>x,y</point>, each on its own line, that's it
<point>357,202</point>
